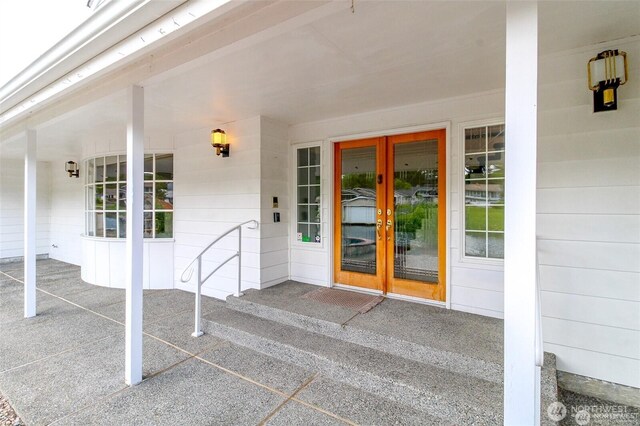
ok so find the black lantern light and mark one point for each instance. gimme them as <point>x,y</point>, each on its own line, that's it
<point>606,72</point>
<point>71,167</point>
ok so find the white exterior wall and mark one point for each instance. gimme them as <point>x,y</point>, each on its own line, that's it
<point>589,219</point>
<point>12,208</point>
<point>474,286</point>
<point>274,182</point>
<point>67,215</point>
<point>212,194</point>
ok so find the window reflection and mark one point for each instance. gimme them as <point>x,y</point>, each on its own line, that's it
<point>484,173</point>
<point>106,203</point>
<point>308,195</point>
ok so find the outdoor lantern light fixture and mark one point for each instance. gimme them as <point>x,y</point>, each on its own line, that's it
<point>606,72</point>
<point>219,142</point>
<point>72,168</point>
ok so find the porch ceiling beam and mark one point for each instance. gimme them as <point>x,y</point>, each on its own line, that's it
<point>521,398</point>
<point>30,164</point>
<point>134,239</point>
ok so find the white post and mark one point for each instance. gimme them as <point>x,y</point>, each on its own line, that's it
<point>198,327</point>
<point>30,164</point>
<point>134,243</point>
<point>239,292</point>
<point>521,401</point>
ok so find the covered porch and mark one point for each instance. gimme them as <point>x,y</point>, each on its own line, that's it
<point>270,357</point>
<point>280,77</point>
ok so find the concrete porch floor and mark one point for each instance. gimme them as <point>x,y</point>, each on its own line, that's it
<point>66,366</point>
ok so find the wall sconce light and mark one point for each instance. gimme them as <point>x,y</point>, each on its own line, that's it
<point>219,142</point>
<point>606,72</point>
<point>72,168</point>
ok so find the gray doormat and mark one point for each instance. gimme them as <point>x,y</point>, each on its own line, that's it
<point>347,299</point>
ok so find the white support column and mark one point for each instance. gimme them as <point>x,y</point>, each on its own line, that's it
<point>30,164</point>
<point>521,400</point>
<point>134,262</point>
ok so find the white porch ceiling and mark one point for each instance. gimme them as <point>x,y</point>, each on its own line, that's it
<point>386,54</point>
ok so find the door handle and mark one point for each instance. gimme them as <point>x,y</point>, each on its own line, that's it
<point>389,225</point>
<point>378,226</point>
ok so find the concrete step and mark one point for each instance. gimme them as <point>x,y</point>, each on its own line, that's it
<point>454,397</point>
<point>422,351</point>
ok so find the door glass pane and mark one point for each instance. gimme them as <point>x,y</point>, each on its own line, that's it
<point>122,196</point>
<point>111,225</point>
<point>99,169</point>
<point>164,167</point>
<point>148,167</point>
<point>314,175</point>
<point>99,197</point>
<point>303,195</point>
<point>148,225</point>
<point>164,225</point>
<point>110,196</point>
<point>358,203</point>
<point>303,176</point>
<point>111,168</point>
<point>415,228</point>
<point>148,196</point>
<point>475,244</point>
<point>122,225</point>
<point>90,171</point>
<point>91,197</point>
<point>314,156</point>
<point>99,224</point>
<point>123,167</point>
<point>164,196</point>
<point>314,194</point>
<point>91,224</point>
<point>495,245</point>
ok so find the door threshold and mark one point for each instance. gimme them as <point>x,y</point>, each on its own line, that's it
<point>416,300</point>
<point>391,295</point>
<point>358,289</point>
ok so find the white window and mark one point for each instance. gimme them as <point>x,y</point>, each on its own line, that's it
<point>308,205</point>
<point>106,196</point>
<point>484,178</point>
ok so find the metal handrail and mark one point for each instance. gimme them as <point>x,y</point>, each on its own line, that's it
<point>198,260</point>
<point>539,343</point>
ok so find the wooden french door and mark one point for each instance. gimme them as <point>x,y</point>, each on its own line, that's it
<point>389,214</point>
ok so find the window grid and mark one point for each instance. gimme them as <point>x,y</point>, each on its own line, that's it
<point>105,196</point>
<point>308,204</point>
<point>484,189</point>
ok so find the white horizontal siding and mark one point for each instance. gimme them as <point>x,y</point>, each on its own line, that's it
<point>274,182</point>
<point>589,221</point>
<point>12,208</point>
<point>594,145</point>
<point>478,298</point>
<point>590,200</point>
<point>592,310</point>
<point>613,368</point>
<point>588,254</point>
<point>599,172</point>
<point>602,338</point>
<point>211,195</point>
<point>590,282</point>
<point>478,311</point>
<point>594,228</point>
<point>67,217</point>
